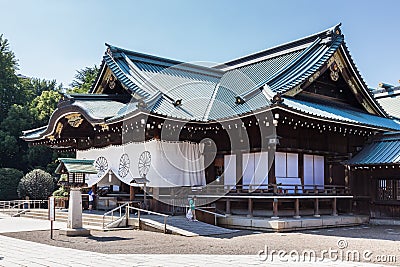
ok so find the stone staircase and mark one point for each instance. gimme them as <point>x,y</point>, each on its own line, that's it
<point>92,221</point>
<point>178,225</point>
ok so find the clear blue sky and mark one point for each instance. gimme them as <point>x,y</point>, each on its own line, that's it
<point>52,39</point>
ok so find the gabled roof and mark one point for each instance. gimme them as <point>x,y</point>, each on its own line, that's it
<point>381,150</point>
<point>210,93</point>
<point>389,99</point>
<point>75,166</point>
<point>339,113</point>
<point>197,93</point>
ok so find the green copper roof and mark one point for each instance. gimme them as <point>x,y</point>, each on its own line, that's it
<point>391,104</point>
<point>76,166</point>
<point>382,150</point>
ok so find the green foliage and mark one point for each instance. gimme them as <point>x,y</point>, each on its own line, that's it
<point>9,179</point>
<point>19,118</point>
<point>39,156</point>
<point>61,192</point>
<point>36,184</point>
<point>8,150</point>
<point>32,87</point>
<point>43,106</point>
<point>9,93</point>
<point>27,103</point>
<point>84,80</point>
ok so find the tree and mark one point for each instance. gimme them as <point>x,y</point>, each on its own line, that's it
<point>9,180</point>
<point>43,106</point>
<point>33,87</point>
<point>36,184</point>
<point>8,150</point>
<point>9,93</point>
<point>84,79</point>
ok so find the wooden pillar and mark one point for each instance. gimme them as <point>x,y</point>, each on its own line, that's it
<point>228,206</point>
<point>350,206</point>
<point>250,208</point>
<point>239,170</point>
<point>131,193</point>
<point>297,209</point>
<point>275,209</point>
<point>334,209</point>
<point>94,189</point>
<point>316,208</point>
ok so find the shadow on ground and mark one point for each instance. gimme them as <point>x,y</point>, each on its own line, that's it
<point>107,238</point>
<point>381,232</point>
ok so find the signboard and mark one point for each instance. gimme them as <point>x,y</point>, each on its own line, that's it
<point>52,214</point>
<point>52,209</point>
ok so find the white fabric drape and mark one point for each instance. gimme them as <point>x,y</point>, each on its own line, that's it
<point>172,163</point>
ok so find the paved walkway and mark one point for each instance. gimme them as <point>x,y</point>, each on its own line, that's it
<point>15,252</point>
<point>15,224</point>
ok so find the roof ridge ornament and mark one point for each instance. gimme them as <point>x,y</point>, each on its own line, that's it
<point>277,99</point>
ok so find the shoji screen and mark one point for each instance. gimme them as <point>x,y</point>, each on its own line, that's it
<point>230,170</point>
<point>280,164</point>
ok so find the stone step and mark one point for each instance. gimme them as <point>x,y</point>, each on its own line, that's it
<point>87,219</point>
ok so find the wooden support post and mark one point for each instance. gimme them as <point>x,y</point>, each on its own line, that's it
<point>228,206</point>
<point>275,209</point>
<point>334,208</point>
<point>350,206</point>
<point>239,171</point>
<point>250,208</point>
<point>316,208</point>
<point>297,209</point>
<point>131,193</point>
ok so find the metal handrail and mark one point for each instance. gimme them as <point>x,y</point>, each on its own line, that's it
<point>148,212</point>
<point>112,214</point>
<point>10,205</point>
<point>213,213</point>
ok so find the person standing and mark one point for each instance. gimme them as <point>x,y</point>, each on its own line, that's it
<point>91,199</point>
<point>193,208</point>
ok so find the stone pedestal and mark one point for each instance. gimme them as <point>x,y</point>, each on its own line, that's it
<point>74,225</point>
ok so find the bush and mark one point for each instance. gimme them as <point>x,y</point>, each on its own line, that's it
<point>9,179</point>
<point>61,192</point>
<point>36,184</point>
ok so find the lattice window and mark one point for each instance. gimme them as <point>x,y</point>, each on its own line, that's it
<point>388,189</point>
<point>77,178</point>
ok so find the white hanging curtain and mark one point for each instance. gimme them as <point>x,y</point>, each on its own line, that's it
<point>165,164</point>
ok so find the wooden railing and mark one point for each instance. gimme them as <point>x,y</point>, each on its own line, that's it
<point>276,189</point>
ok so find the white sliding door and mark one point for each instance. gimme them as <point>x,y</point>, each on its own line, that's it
<point>261,170</point>
<point>319,171</point>
<point>314,171</point>
<point>280,164</point>
<point>248,169</point>
<point>230,170</point>
<point>286,164</point>
<point>255,170</point>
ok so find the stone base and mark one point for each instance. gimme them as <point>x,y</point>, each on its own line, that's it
<point>290,224</point>
<point>75,232</point>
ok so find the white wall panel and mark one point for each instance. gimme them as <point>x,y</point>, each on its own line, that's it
<point>280,164</point>
<point>292,165</point>
<point>230,169</point>
<point>261,170</point>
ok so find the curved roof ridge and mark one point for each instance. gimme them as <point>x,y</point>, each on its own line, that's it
<point>299,43</point>
<point>165,62</point>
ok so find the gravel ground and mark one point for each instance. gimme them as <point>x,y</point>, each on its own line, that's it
<point>380,240</point>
